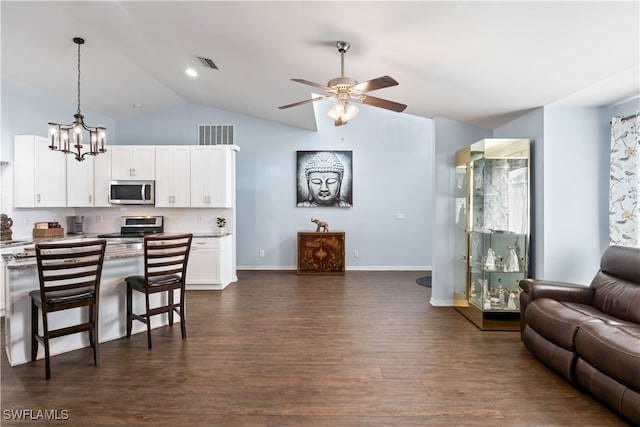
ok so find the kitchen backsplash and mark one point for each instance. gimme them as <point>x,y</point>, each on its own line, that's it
<point>107,220</point>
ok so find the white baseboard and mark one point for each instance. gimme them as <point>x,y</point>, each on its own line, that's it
<point>349,268</point>
<point>442,302</point>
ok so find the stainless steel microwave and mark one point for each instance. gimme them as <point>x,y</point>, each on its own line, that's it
<point>132,192</point>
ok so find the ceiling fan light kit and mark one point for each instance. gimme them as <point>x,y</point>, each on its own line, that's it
<point>61,135</point>
<point>345,89</point>
<point>343,111</point>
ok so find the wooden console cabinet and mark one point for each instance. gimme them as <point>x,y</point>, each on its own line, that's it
<point>320,253</point>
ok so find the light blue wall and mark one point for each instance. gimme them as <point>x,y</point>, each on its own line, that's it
<point>26,111</point>
<point>392,174</point>
<point>576,165</point>
<point>450,136</point>
<point>627,108</point>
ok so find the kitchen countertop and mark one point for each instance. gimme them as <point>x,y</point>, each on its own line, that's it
<point>17,243</point>
<point>113,251</point>
<point>116,249</point>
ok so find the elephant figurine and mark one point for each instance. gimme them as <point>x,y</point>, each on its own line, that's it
<point>321,225</point>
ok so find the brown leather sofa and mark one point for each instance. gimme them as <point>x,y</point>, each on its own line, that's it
<point>591,335</point>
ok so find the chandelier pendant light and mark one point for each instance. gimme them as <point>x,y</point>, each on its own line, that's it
<point>63,136</point>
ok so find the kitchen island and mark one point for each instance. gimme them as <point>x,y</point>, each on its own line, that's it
<point>121,260</point>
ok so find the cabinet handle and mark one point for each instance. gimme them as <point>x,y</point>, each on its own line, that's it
<point>38,198</point>
<point>90,197</point>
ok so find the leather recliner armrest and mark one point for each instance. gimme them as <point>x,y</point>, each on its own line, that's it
<point>559,291</point>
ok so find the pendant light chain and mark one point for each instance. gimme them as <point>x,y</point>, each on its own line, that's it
<point>79,44</point>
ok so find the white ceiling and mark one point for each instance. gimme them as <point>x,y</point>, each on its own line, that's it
<point>481,63</point>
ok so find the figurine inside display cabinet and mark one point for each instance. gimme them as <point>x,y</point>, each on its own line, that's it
<point>490,262</point>
<point>513,263</point>
<point>511,304</point>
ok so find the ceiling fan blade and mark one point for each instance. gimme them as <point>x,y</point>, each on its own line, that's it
<point>383,103</point>
<point>306,101</point>
<point>379,83</point>
<point>307,82</point>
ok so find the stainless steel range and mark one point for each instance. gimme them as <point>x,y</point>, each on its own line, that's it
<point>137,227</point>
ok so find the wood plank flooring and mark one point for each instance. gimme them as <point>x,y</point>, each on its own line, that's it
<point>277,349</point>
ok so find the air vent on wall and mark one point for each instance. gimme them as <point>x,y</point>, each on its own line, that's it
<point>216,134</point>
<point>207,62</point>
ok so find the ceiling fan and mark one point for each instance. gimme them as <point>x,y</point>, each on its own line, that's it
<point>346,89</point>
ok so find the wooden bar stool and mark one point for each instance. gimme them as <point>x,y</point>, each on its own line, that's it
<point>69,276</point>
<point>165,270</point>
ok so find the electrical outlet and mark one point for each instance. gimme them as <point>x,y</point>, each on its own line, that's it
<point>98,219</point>
<point>199,218</point>
<point>261,253</point>
<point>356,254</point>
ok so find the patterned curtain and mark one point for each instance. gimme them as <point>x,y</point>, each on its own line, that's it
<point>624,185</point>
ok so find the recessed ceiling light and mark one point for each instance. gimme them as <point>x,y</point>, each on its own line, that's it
<point>191,72</point>
<point>137,105</point>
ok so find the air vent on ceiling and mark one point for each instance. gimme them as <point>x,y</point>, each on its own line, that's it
<point>216,134</point>
<point>207,62</point>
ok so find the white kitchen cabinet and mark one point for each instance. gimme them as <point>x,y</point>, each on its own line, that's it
<point>173,178</point>
<point>210,263</point>
<point>136,162</point>
<point>40,174</point>
<point>88,180</point>
<point>80,181</point>
<point>212,176</point>
<point>101,178</point>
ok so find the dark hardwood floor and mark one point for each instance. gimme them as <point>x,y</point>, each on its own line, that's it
<point>277,349</point>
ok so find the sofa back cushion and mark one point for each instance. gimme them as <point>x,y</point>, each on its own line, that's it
<point>617,284</point>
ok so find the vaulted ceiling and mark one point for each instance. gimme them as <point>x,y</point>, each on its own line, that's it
<point>482,63</point>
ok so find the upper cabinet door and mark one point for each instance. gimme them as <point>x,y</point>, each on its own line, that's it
<point>101,178</point>
<point>40,173</point>
<point>211,177</point>
<point>80,181</point>
<point>172,176</point>
<point>134,162</point>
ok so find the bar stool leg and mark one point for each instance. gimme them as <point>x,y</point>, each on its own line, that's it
<point>34,331</point>
<point>148,321</point>
<point>45,335</point>
<point>183,319</point>
<point>129,309</point>
<point>93,334</point>
<point>170,301</point>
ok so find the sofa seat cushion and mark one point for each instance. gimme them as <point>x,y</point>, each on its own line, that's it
<point>559,321</point>
<point>612,349</point>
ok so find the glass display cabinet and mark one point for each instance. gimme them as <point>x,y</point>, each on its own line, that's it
<point>491,231</point>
